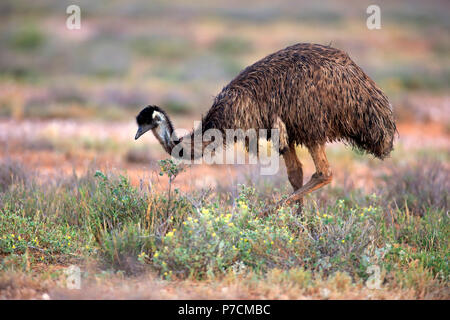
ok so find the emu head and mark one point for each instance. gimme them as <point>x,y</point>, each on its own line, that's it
<point>155,119</point>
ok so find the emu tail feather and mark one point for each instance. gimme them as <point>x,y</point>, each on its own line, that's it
<point>375,128</point>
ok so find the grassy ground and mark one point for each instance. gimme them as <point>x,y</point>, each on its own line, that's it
<point>343,244</point>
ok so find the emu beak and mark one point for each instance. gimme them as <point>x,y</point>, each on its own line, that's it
<point>141,131</point>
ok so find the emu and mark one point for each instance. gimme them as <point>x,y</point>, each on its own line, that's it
<point>312,93</point>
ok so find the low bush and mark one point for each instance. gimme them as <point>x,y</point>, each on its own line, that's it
<point>203,236</point>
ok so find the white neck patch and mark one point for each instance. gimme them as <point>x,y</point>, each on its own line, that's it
<point>158,114</point>
<point>163,129</point>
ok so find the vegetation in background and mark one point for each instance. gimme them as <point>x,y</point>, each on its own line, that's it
<point>155,52</point>
<point>27,38</point>
<point>419,188</point>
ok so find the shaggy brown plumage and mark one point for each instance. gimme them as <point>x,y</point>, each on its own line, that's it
<point>316,93</point>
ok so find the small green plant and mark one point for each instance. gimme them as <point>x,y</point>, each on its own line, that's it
<point>39,238</point>
<point>171,169</point>
<point>124,248</point>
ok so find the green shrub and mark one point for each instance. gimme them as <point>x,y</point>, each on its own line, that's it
<point>124,248</point>
<point>420,240</point>
<point>46,240</point>
<point>110,204</point>
<point>206,236</point>
<point>27,38</point>
<point>215,240</point>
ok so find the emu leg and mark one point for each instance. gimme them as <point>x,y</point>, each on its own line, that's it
<point>323,175</point>
<point>295,172</point>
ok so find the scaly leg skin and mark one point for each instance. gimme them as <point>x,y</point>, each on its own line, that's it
<point>295,173</point>
<point>323,176</point>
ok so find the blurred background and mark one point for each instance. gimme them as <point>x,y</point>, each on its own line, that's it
<point>69,97</point>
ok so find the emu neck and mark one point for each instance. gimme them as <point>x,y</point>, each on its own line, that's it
<point>164,135</point>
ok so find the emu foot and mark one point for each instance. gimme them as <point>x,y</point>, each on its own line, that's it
<point>317,181</point>
<point>297,209</point>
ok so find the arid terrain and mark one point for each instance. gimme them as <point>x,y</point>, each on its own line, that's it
<point>76,189</point>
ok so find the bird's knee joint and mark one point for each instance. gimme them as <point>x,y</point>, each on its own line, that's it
<point>324,177</point>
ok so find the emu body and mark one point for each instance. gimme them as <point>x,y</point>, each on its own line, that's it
<point>313,94</point>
